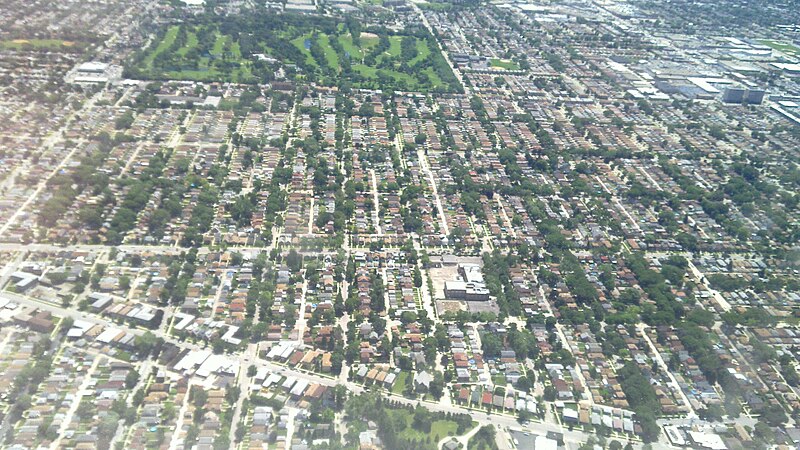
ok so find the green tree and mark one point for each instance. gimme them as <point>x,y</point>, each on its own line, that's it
<point>417,277</point>
<point>131,379</point>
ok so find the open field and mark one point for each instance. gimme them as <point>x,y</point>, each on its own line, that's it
<point>504,64</point>
<point>784,47</point>
<point>40,44</point>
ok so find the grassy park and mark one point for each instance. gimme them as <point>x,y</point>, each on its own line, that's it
<point>439,428</point>
<point>405,426</point>
<point>181,54</point>
<point>503,64</point>
<point>318,49</point>
<point>40,44</point>
<point>403,62</point>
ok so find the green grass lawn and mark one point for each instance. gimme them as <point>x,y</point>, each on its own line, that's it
<point>357,52</point>
<point>422,52</point>
<point>499,379</point>
<point>785,47</point>
<point>236,51</point>
<point>443,428</point>
<point>394,45</point>
<point>400,383</point>
<point>299,42</point>
<point>169,38</point>
<point>412,82</point>
<point>21,44</point>
<point>219,44</point>
<point>198,74</point>
<point>367,71</point>
<point>346,41</point>
<point>440,428</point>
<point>191,42</point>
<point>330,54</point>
<point>435,80</point>
<point>504,64</point>
<point>224,60</point>
<point>204,69</point>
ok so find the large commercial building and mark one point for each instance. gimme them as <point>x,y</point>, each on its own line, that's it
<point>471,287</point>
<point>743,95</point>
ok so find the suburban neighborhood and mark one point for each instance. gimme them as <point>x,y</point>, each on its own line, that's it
<point>399,224</point>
